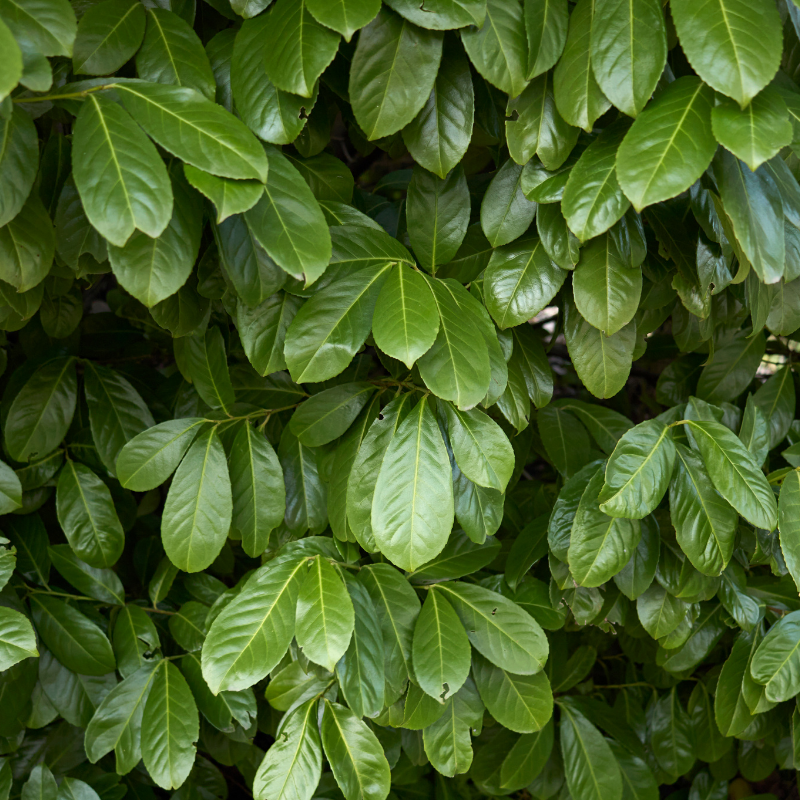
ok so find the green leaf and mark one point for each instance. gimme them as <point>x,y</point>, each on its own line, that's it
<point>72,638</point>
<point>10,489</point>
<point>454,368</point>
<point>447,741</point>
<point>88,517</point>
<point>117,723</point>
<point>439,135</point>
<point>527,758</point>
<point>205,362</point>
<point>521,703</point>
<point>406,318</point>
<point>546,23</point>
<point>41,785</point>
<point>354,753</point>
<point>327,415</point>
<point>195,130</point>
<point>228,196</point>
<point>730,709</point>
<point>733,45</point>
<point>173,54</point>
<point>274,116</point>
<point>134,639</point>
<point>12,67</point>
<point>306,503</point>
<point>148,459</point>
<point>441,649</point>
<point>27,245</point>
<point>437,212</point>
<point>562,515</point>
<point>50,25</point>
<point>757,232</point>
<point>606,290</point>
<point>593,200</point>
<point>734,473</point>
<point>392,73</point>
<point>498,48</point>
<point>329,328</point>
<point>198,509</point>
<point>412,508</point>
<point>293,764</point>
<point>122,181</point>
<point>629,51</point>
<point>17,639</point>
<point>344,16</point>
<point>506,212</point>
<point>670,144</point>
<point>289,224</point>
<point>397,607</point>
<point>252,633</point>
<point>639,471</point>
<point>109,33</point>
<point>19,157</point>
<point>328,178</point>
<point>102,584</point>
<point>705,523</point>
<point>366,468</point>
<point>170,727</point>
<point>602,362</point>
<point>537,127</point>
<point>263,330</point>
<point>565,440</point>
<point>671,736</point>
<point>258,493</point>
<point>498,628</point>
<point>732,368</point>
<point>775,663</point>
<point>325,615</point>
<point>297,49</point>
<point>461,556</point>
<point>361,670</point>
<point>117,412</point>
<point>754,134</point>
<point>579,99</point>
<point>590,768</point>
<point>600,545</point>
<point>520,281</point>
<point>659,612</point>
<point>445,14</point>
<point>788,523</point>
<point>481,449</point>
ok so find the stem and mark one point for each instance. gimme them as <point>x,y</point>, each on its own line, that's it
<point>67,96</point>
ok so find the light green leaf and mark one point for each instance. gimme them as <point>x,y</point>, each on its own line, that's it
<point>392,73</point>
<point>252,633</point>
<point>122,181</point>
<point>27,246</point>
<point>734,473</point>
<point>600,545</point>
<point>170,728</point>
<point>197,131</point>
<point>293,764</point>
<point>17,639</point>
<point>670,144</point>
<point>546,24</point>
<point>579,99</point>
<point>629,51</point>
<point>498,48</point>
<point>198,509</point>
<point>228,196</point>
<point>173,54</point>
<point>733,45</point>
<point>705,523</point>
<point>439,135</point>
<point>441,649</point>
<point>412,509</point>
<point>521,703</point>
<point>498,628</point>
<point>520,281</point>
<point>355,754</point>
<point>639,471</point>
<point>49,24</point>
<point>297,49</point>
<point>109,33</point>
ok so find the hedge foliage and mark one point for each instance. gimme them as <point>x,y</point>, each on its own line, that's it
<point>398,400</point>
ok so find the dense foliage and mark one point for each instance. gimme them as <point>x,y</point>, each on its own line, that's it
<point>398,400</point>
